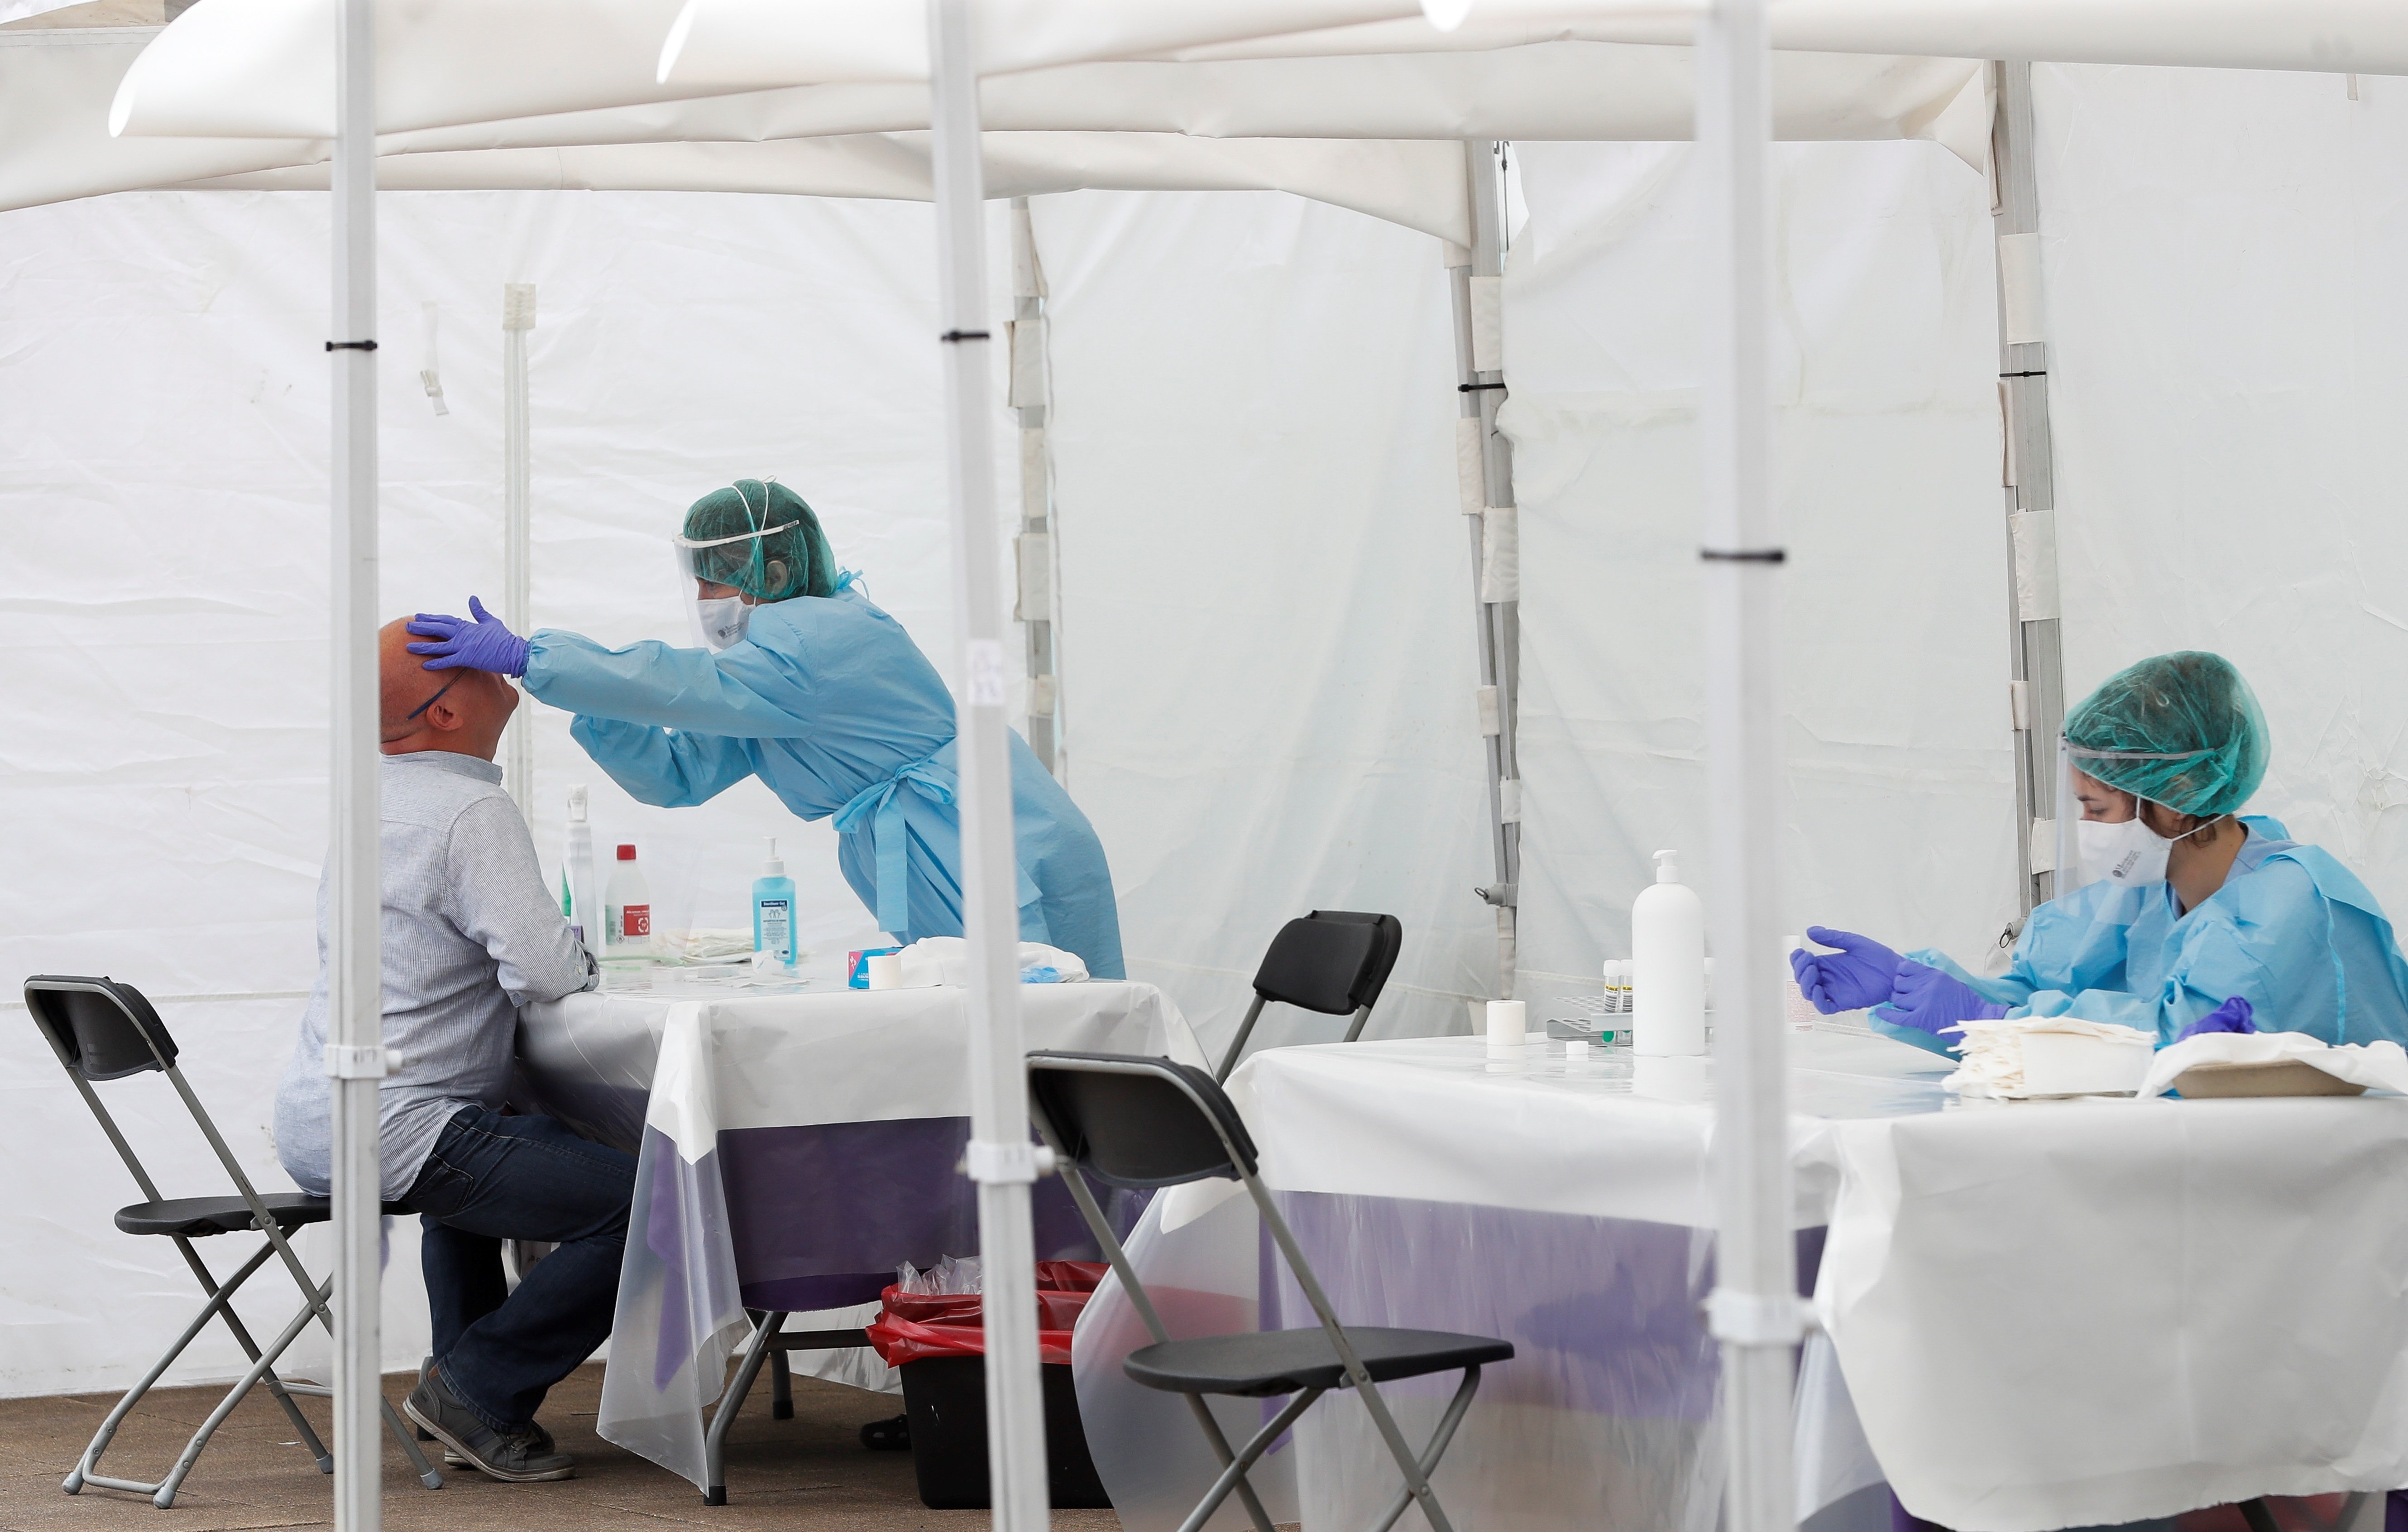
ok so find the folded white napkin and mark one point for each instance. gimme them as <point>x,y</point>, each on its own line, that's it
<point>2379,1066</point>
<point>946,960</point>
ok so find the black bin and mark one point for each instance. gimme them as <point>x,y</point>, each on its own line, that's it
<point>946,1398</point>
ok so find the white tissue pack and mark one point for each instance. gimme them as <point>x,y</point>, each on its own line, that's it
<point>2051,1056</point>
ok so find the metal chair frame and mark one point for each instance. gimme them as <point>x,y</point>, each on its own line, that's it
<point>1415,1467</point>
<point>1362,1009</point>
<point>315,1294</point>
<point>770,1343</point>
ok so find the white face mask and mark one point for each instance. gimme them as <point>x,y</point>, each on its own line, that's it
<point>2129,853</point>
<point>723,619</point>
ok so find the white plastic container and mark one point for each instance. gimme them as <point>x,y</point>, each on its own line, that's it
<point>1506,1021</point>
<point>1667,956</point>
<point>627,910</point>
<point>585,914</point>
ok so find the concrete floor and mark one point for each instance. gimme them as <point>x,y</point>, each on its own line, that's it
<point>809,1472</point>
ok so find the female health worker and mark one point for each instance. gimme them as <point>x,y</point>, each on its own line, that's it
<point>827,699</point>
<point>2198,907</point>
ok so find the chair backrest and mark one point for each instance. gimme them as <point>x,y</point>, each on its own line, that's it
<point>1137,1122</point>
<point>99,1028</point>
<point>1334,961</point>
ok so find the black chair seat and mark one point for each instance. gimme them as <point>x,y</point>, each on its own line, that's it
<point>196,1217</point>
<point>1273,1361</point>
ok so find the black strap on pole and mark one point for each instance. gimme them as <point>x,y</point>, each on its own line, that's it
<point>956,336</point>
<point>1743,555</point>
<point>351,345</point>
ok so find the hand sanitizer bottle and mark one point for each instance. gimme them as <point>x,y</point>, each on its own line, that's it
<point>627,910</point>
<point>773,909</point>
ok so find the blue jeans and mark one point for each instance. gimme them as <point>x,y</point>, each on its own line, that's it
<point>492,1177</point>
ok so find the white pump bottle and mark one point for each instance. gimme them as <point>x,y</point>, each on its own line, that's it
<point>1667,954</point>
<point>584,911</point>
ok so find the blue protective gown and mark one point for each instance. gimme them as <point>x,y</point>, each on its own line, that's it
<point>829,702</point>
<point>2292,930</point>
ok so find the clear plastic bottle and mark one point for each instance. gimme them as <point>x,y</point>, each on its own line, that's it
<point>627,910</point>
<point>577,873</point>
<point>773,909</point>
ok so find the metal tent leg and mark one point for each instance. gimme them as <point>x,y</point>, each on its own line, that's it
<point>1485,481</point>
<point>2036,657</point>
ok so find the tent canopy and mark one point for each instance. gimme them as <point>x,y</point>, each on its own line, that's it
<point>1380,135</point>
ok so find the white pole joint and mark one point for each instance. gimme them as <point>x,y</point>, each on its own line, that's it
<point>371,1062</point>
<point>991,1163</point>
<point>1758,1319</point>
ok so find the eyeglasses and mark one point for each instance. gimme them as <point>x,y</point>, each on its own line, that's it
<point>432,701</point>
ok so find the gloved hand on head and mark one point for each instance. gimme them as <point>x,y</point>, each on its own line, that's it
<point>2234,1015</point>
<point>1860,974</point>
<point>485,644</point>
<point>1931,999</point>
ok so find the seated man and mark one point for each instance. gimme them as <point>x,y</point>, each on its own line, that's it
<point>469,936</point>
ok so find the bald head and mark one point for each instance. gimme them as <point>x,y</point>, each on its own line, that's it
<point>462,711</point>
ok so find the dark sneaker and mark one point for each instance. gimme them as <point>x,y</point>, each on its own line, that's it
<point>893,1435</point>
<point>522,1456</point>
<point>543,1443</point>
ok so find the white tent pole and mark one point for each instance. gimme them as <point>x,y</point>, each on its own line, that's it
<point>1001,1157</point>
<point>355,1019</point>
<point>1753,1312</point>
<point>2036,650</point>
<point>518,318</point>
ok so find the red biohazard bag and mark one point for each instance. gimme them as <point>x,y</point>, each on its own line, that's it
<point>912,1325</point>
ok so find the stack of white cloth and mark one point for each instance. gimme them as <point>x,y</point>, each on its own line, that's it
<point>946,960</point>
<point>2010,1059</point>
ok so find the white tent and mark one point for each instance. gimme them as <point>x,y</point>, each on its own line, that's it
<point>171,34</point>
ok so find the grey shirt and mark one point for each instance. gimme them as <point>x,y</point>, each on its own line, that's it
<point>469,936</point>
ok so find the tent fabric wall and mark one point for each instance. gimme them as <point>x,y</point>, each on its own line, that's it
<point>163,485</point>
<point>2223,319</point>
<point>1270,631</point>
<point>1900,811</point>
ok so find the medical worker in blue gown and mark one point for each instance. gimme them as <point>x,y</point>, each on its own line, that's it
<point>2245,930</point>
<point>807,686</point>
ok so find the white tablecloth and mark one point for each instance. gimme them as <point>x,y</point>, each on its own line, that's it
<point>790,1148</point>
<point>2053,1314</point>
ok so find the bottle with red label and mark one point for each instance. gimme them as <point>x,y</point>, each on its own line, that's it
<point>626,910</point>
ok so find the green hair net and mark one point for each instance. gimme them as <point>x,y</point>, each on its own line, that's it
<point>793,559</point>
<point>2182,729</point>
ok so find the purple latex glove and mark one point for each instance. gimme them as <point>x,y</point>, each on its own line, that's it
<point>2234,1015</point>
<point>486,645</point>
<point>1860,974</point>
<point>1931,999</point>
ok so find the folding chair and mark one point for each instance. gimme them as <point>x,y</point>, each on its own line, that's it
<point>101,1029</point>
<point>1144,1122</point>
<point>1332,962</point>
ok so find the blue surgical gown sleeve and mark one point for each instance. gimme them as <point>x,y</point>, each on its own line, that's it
<point>663,767</point>
<point>2266,936</point>
<point>745,692</point>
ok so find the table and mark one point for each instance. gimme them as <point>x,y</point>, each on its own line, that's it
<point>792,1147</point>
<point>2038,1315</point>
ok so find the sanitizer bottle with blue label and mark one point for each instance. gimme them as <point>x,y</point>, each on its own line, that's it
<point>773,910</point>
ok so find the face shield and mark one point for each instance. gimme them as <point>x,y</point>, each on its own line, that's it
<point>722,577</point>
